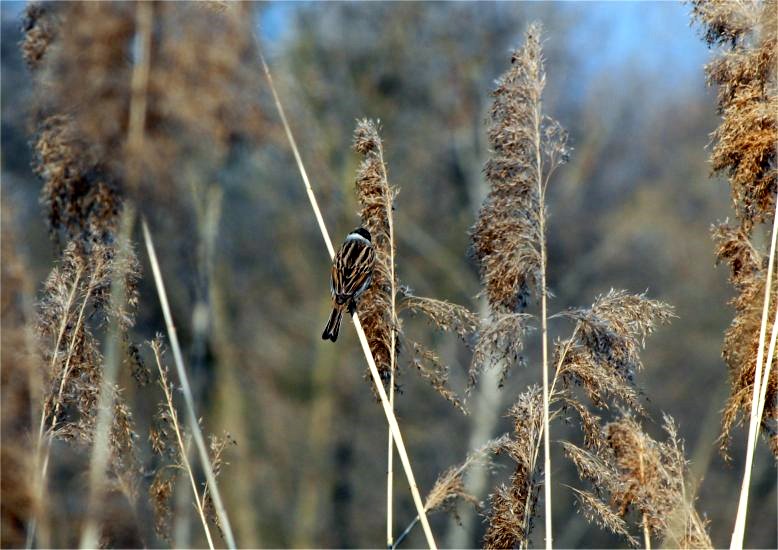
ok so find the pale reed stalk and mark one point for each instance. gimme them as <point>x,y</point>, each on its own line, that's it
<point>544,330</point>
<point>194,425</point>
<point>760,384</point>
<point>182,449</point>
<point>40,480</point>
<point>394,427</point>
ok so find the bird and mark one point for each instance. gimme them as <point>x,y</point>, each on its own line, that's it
<point>351,275</point>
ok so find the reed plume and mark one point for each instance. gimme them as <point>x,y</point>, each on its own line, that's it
<point>509,236</point>
<point>743,149</point>
<point>449,486</point>
<point>376,201</point>
<point>601,355</point>
<point>630,470</point>
<point>387,298</point>
<point>512,513</point>
<point>378,309</point>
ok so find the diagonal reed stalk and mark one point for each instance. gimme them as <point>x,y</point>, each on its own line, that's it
<point>42,456</point>
<point>180,439</point>
<point>759,394</point>
<point>194,425</point>
<point>388,411</point>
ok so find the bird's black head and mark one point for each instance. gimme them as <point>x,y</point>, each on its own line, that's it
<point>363,232</point>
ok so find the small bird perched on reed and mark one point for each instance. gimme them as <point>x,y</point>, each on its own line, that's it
<point>352,272</point>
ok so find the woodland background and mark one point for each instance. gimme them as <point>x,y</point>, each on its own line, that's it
<point>632,210</point>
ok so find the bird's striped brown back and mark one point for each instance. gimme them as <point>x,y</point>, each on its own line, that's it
<point>352,269</point>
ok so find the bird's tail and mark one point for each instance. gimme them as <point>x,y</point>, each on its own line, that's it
<point>333,325</point>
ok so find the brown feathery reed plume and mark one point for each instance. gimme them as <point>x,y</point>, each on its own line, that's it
<point>630,470</point>
<point>376,197</point>
<point>512,511</point>
<point>90,80</point>
<point>509,236</point>
<point>601,357</point>
<point>39,27</point>
<point>76,302</point>
<point>378,309</point>
<point>744,150</point>
<point>602,353</point>
<point>386,298</point>
<point>192,418</point>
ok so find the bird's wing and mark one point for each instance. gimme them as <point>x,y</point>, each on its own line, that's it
<point>351,269</point>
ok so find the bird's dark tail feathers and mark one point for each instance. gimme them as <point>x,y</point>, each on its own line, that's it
<point>333,325</point>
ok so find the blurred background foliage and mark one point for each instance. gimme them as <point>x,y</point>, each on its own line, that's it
<point>632,210</point>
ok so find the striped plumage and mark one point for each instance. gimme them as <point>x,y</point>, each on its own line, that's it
<point>352,272</point>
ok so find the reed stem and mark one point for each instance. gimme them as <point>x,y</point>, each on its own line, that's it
<point>181,446</point>
<point>194,425</point>
<point>394,427</point>
<point>760,384</point>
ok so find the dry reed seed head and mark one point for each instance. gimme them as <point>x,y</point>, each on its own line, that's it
<point>80,199</point>
<point>748,275</point>
<point>590,423</point>
<point>199,100</point>
<point>512,506</point>
<point>450,484</point>
<point>75,303</point>
<point>160,493</point>
<point>218,446</point>
<point>603,354</point>
<point>133,362</point>
<point>446,317</point>
<point>376,202</point>
<point>432,368</point>
<point>164,443</point>
<point>526,147</point>
<point>724,21</point>
<point>596,511</point>
<point>744,142</point>
<point>40,29</point>
<point>500,342</point>
<point>744,149</point>
<point>633,471</point>
<point>366,137</point>
<point>223,107</point>
<point>89,70</point>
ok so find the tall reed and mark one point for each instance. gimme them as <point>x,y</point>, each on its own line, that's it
<point>743,149</point>
<point>601,355</point>
<point>509,237</point>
